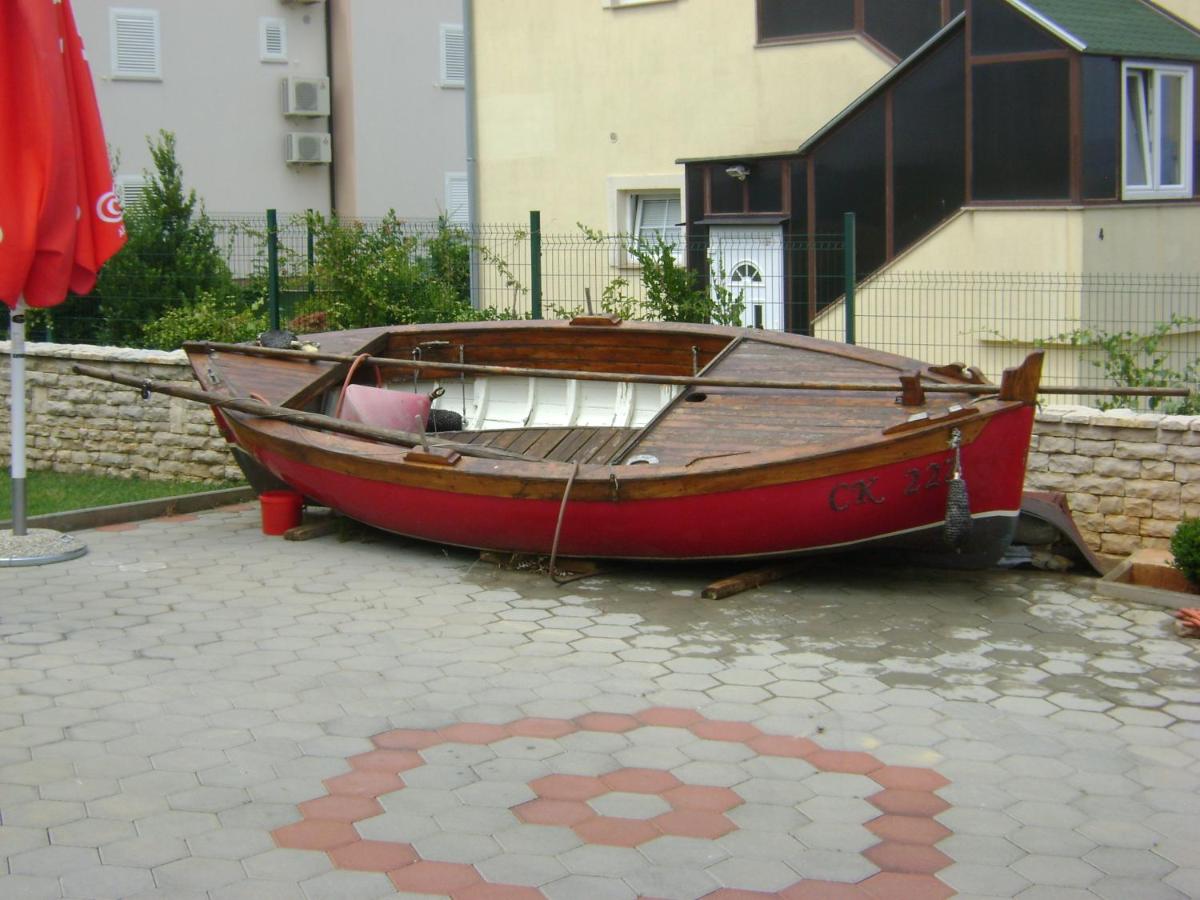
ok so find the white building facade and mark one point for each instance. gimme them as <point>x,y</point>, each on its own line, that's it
<point>348,105</point>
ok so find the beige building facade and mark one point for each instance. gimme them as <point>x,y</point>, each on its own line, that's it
<point>585,104</point>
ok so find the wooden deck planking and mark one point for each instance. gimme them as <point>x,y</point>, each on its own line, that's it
<point>578,444</point>
<point>738,420</point>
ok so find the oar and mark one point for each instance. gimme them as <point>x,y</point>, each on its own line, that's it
<point>680,380</point>
<point>298,417</point>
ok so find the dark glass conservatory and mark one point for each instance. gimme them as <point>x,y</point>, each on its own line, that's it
<point>1038,102</point>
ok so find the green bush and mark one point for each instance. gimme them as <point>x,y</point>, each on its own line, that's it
<point>390,274</point>
<point>209,317</point>
<point>674,293</point>
<point>1137,359</point>
<point>170,259</point>
<point>1185,547</point>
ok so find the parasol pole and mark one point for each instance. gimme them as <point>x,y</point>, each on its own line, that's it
<point>17,406</point>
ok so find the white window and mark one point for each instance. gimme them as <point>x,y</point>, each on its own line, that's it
<point>134,38</point>
<point>131,190</point>
<point>272,39</point>
<point>613,4</point>
<point>453,57</point>
<point>657,216</point>
<point>1157,126</point>
<point>457,199</point>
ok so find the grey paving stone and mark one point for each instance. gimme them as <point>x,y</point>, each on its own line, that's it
<point>753,874</point>
<point>258,889</point>
<point>521,868</point>
<point>549,840</point>
<point>197,873</point>
<point>476,820</point>
<point>52,861</point>
<point>1057,871</point>
<point>835,836</point>
<point>345,885</point>
<point>92,832</point>
<point>1111,888</point>
<point>672,851</point>
<point>146,851</point>
<point>399,827</point>
<point>665,881</point>
<point>116,882</point>
<point>623,805</point>
<point>595,859</point>
<point>43,813</point>
<point>998,881</point>
<point>586,887</point>
<point>29,887</point>
<point>457,847</point>
<point>230,843</point>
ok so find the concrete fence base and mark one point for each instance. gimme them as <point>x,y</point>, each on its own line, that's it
<point>1130,478</point>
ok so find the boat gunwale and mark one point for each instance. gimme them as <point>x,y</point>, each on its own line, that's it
<point>538,477</point>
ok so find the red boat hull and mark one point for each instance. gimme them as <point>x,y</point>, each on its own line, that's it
<point>901,504</point>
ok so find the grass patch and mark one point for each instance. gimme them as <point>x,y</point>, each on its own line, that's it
<point>53,492</point>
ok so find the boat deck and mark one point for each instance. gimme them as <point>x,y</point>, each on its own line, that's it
<point>583,445</point>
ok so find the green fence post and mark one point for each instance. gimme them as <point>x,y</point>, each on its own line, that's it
<point>851,274</point>
<point>535,262</point>
<point>273,269</point>
<point>311,253</point>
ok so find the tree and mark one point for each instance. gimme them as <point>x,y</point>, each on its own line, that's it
<point>170,259</point>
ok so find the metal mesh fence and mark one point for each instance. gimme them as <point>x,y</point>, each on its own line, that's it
<point>1097,329</point>
<point>326,274</point>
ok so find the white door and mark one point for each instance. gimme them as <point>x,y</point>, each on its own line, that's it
<point>748,261</point>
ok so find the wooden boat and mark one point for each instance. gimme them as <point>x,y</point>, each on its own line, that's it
<point>654,441</point>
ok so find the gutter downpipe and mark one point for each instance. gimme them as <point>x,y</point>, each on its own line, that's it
<point>329,120</point>
<point>468,16</point>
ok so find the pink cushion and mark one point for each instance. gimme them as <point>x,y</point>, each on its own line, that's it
<point>401,410</point>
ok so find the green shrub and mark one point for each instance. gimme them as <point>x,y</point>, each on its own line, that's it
<point>170,258</point>
<point>1185,546</point>
<point>209,317</point>
<point>674,293</point>
<point>1138,359</point>
<point>390,274</point>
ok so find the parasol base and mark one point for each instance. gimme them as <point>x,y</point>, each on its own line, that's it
<point>38,547</point>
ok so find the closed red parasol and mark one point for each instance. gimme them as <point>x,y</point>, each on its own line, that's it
<point>59,218</point>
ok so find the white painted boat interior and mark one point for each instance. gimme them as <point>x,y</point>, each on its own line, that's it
<point>519,402</point>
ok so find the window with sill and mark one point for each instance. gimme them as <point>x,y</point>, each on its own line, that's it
<point>1158,131</point>
<point>656,216</point>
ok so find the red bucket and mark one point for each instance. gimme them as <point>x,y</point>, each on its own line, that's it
<point>280,510</point>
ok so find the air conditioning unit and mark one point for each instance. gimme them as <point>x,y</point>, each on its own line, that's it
<point>309,147</point>
<point>305,96</point>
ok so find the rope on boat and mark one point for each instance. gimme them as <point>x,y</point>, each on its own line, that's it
<point>958,504</point>
<point>358,361</point>
<point>562,509</point>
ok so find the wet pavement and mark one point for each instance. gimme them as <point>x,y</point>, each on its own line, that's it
<point>196,710</point>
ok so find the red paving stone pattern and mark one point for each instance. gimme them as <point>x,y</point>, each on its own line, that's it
<point>906,827</point>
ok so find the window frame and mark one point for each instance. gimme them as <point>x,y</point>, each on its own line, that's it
<point>637,206</point>
<point>620,4</point>
<point>115,14</point>
<point>445,78</point>
<point>264,53</point>
<point>621,192</point>
<point>450,182</point>
<point>1151,119</point>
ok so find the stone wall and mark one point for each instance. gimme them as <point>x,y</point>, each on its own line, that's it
<point>79,424</point>
<point>1130,478</point>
